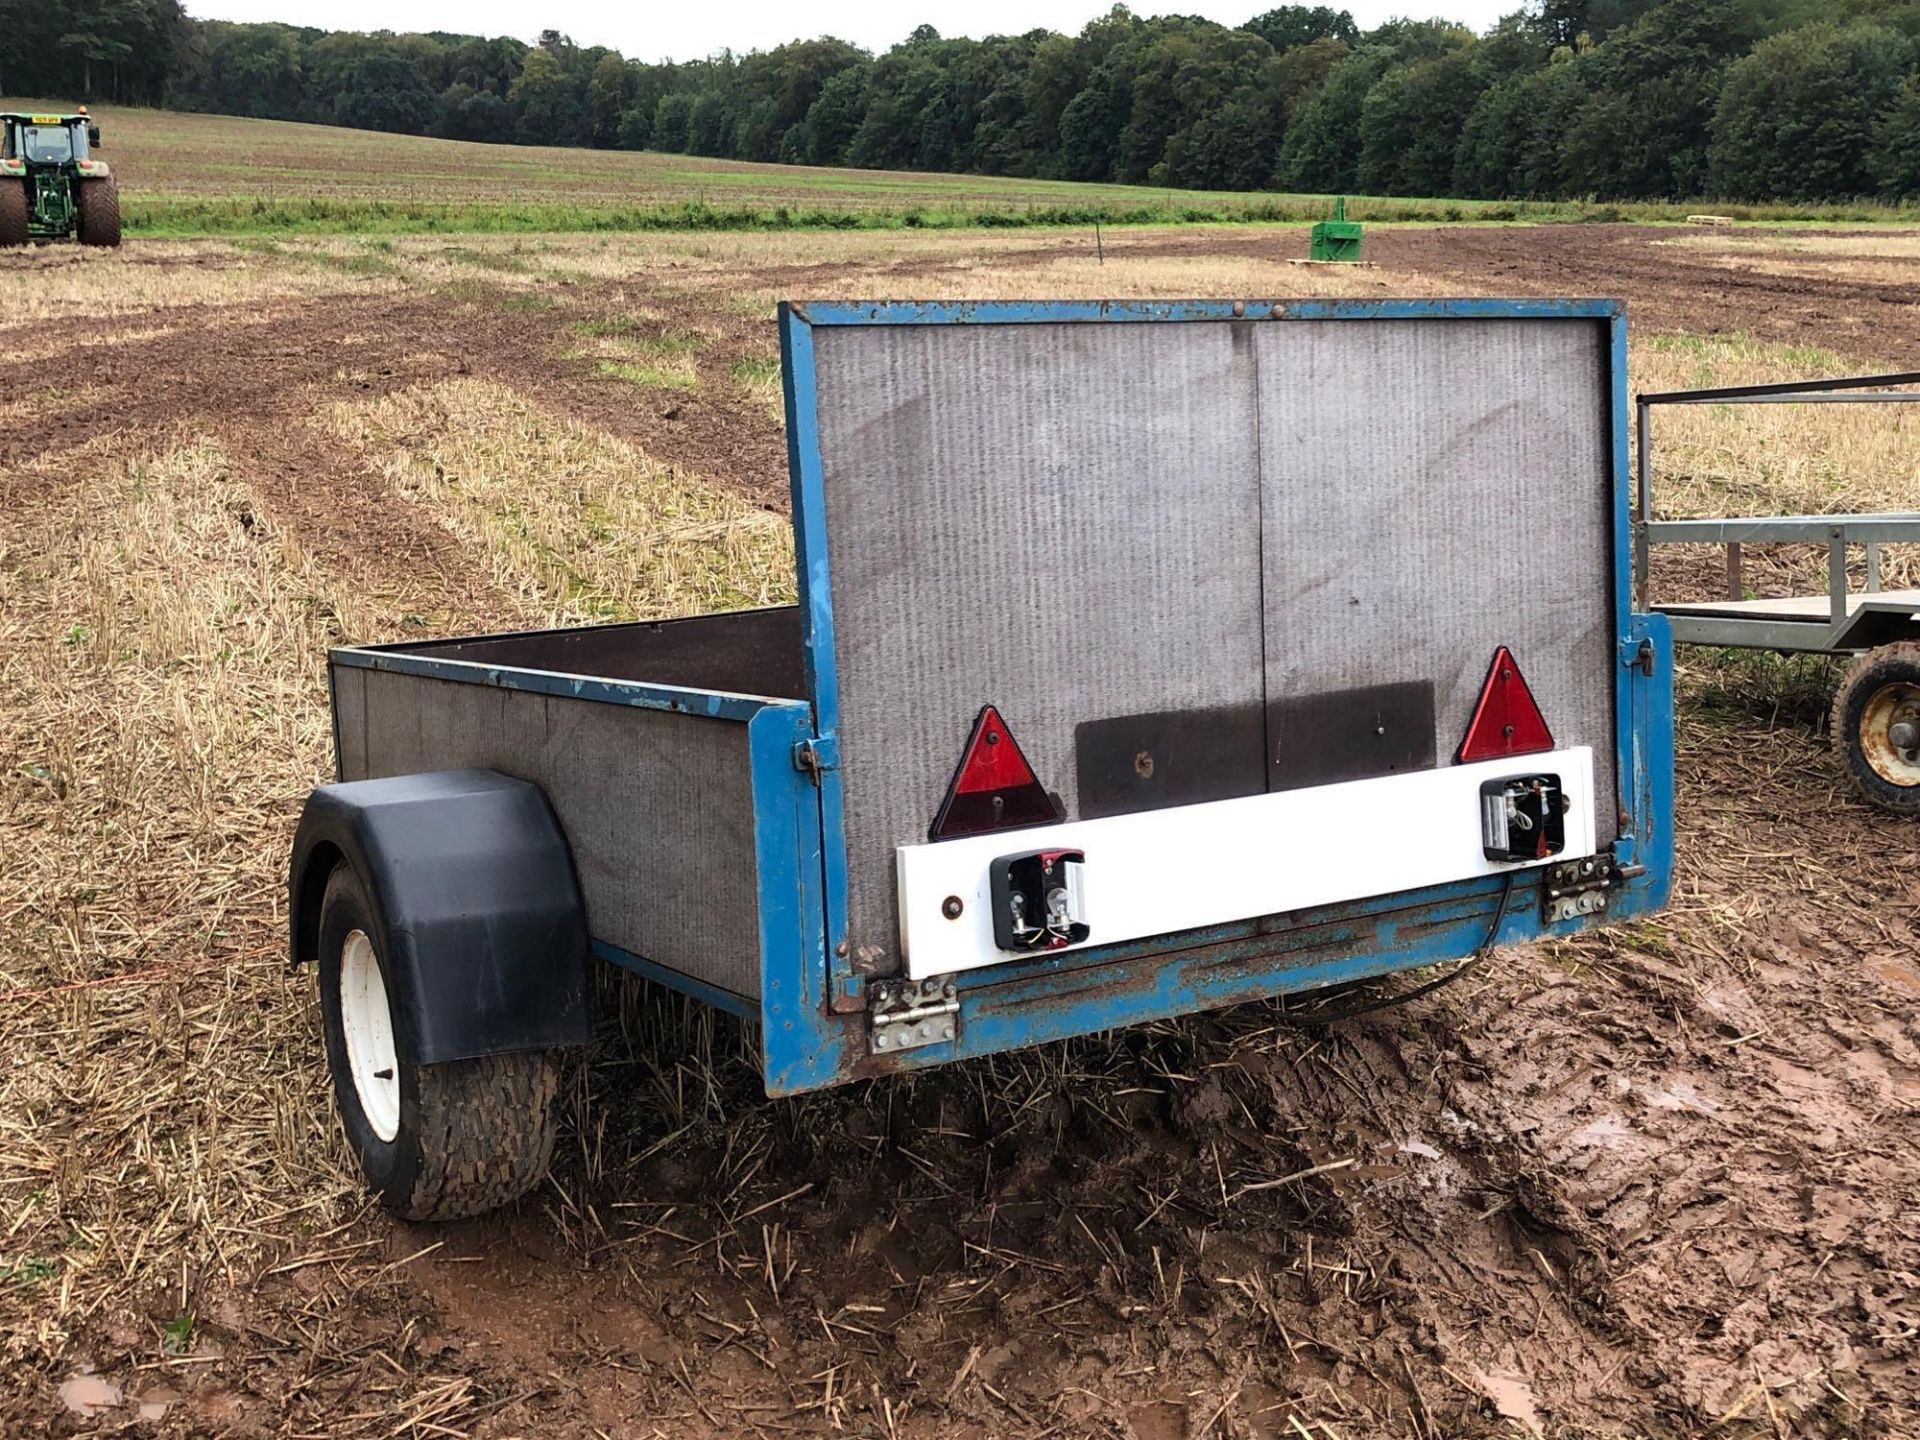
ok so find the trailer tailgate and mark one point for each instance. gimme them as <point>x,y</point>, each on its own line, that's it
<point>1197,563</point>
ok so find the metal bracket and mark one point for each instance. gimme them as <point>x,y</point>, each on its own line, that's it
<point>906,1014</point>
<point>1639,655</point>
<point>815,756</point>
<point>1577,888</point>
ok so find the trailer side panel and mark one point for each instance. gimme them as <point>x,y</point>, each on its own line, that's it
<point>657,806</point>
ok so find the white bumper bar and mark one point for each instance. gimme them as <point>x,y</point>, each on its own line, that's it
<point>1165,871</point>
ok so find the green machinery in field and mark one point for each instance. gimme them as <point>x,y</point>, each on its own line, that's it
<point>50,186</point>
<point>1338,238</point>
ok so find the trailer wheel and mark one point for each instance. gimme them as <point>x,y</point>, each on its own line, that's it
<point>1876,727</point>
<point>100,211</point>
<point>13,212</point>
<point>436,1142</point>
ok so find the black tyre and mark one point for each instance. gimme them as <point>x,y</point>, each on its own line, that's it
<point>436,1142</point>
<point>100,212</point>
<point>13,212</point>
<point>1876,727</point>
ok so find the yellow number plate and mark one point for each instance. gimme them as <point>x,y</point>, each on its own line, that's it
<point>46,119</point>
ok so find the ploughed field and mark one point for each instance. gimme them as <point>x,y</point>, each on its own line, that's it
<point>1661,1181</point>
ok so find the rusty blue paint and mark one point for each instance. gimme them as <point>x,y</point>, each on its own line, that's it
<point>1007,1008</point>
<point>1649,722</point>
<point>806,472</point>
<point>797,1025</point>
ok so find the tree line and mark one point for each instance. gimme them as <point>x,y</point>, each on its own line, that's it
<point>1613,99</point>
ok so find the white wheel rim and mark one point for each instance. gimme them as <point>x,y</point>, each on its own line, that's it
<point>367,1022</point>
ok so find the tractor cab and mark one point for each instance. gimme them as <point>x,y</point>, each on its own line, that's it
<point>37,140</point>
<point>51,187</point>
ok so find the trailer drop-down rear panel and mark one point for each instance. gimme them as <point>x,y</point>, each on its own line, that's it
<point>1234,579</point>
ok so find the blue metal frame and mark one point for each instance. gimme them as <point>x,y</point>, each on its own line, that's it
<point>804,470</point>
<point>814,1032</point>
<point>672,979</point>
<point>719,704</point>
<point>798,1023</point>
<point>1057,312</point>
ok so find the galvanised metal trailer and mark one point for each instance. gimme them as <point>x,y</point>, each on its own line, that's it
<point>1149,657</point>
<point>1875,721</point>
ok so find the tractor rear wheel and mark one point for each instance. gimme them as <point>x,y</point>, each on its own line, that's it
<point>13,212</point>
<point>100,212</point>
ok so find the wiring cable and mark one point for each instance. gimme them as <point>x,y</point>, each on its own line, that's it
<point>1317,1018</point>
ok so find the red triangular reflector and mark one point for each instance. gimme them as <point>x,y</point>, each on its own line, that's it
<point>1507,720</point>
<point>994,788</point>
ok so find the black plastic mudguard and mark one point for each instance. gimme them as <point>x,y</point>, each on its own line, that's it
<point>485,935</point>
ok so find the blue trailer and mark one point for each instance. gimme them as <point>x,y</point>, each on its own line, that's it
<point>1149,657</point>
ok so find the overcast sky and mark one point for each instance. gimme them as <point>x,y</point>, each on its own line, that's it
<point>694,28</point>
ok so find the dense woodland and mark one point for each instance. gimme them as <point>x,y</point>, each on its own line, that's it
<point>1613,99</point>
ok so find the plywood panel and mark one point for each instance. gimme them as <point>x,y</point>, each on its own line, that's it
<point>657,807</point>
<point>1435,489</point>
<point>1060,520</point>
<point>743,652</point>
<point>1187,530</point>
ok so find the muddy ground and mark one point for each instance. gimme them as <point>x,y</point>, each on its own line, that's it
<point>1681,281</point>
<point>1662,1182</point>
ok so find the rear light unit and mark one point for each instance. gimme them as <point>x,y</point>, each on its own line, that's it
<point>1117,879</point>
<point>1522,819</point>
<point>1038,900</point>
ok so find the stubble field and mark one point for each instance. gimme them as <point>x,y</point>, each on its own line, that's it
<point>192,174</point>
<point>1662,1181</point>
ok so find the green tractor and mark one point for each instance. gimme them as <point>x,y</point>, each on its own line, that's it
<point>50,186</point>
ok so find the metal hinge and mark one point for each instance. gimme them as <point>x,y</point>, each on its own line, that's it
<point>906,1014</point>
<point>1578,887</point>
<point>816,755</point>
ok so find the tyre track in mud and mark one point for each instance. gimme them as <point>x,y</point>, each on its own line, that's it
<point>245,366</point>
<point>1668,286</point>
<point>1670,283</point>
<point>1225,1207</point>
<point>254,385</point>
